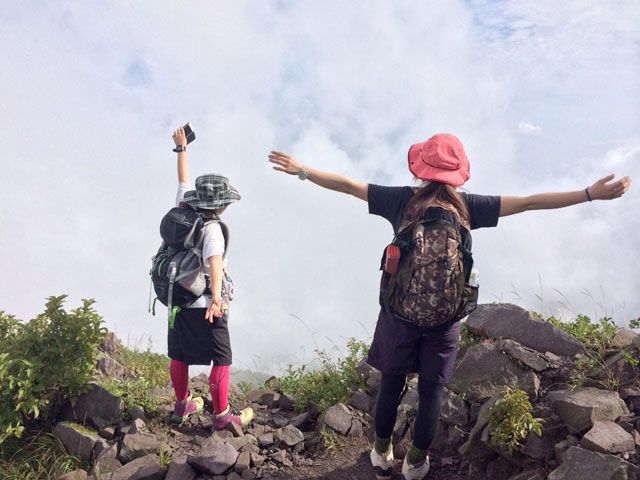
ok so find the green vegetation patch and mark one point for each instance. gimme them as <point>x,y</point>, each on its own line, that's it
<point>331,383</point>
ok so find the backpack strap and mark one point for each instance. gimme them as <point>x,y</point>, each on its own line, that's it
<point>225,232</point>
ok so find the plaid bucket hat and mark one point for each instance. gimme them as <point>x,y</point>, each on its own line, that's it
<point>212,191</point>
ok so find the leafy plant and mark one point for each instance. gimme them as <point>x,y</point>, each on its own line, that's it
<point>45,361</point>
<point>466,337</point>
<point>332,382</point>
<point>595,336</point>
<point>510,420</point>
<point>635,323</point>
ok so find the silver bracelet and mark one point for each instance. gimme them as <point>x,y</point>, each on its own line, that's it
<point>303,174</point>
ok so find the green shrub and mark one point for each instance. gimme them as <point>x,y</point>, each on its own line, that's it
<point>466,337</point>
<point>510,420</point>
<point>595,336</point>
<point>332,382</point>
<point>45,361</point>
<point>148,370</point>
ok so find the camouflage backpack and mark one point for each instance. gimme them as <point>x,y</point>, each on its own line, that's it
<point>428,285</point>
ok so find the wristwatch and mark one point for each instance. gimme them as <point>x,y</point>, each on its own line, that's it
<point>180,148</point>
<point>303,174</point>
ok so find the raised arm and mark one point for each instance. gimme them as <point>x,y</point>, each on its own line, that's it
<point>284,162</point>
<point>180,138</point>
<point>600,190</point>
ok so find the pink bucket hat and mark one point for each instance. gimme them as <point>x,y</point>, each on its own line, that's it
<point>441,158</point>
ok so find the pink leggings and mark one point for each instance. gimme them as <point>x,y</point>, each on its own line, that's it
<point>218,383</point>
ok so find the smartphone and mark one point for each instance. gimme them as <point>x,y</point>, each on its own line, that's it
<point>188,131</point>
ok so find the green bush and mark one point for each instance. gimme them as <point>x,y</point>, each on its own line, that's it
<point>510,420</point>
<point>595,336</point>
<point>44,361</point>
<point>331,383</point>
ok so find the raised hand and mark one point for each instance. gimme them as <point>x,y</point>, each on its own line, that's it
<point>603,190</point>
<point>179,136</point>
<point>283,162</point>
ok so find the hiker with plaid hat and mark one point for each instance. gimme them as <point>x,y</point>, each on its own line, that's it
<point>404,342</point>
<point>200,333</point>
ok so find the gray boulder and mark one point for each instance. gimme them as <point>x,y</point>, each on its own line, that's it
<point>75,475</point>
<point>485,370</point>
<point>524,355</point>
<point>179,469</point>
<point>455,410</point>
<point>97,406</point>
<point>143,468</point>
<point>608,437</point>
<point>136,445</point>
<point>107,462</point>
<point>76,439</point>
<point>578,464</point>
<point>504,320</point>
<point>361,401</point>
<point>289,436</point>
<point>110,344</point>
<point>338,418</point>
<point>581,407</point>
<point>623,338</point>
<point>108,367</point>
<point>214,459</point>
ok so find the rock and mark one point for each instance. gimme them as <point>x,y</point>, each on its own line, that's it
<point>110,344</point>
<point>618,367</point>
<point>143,468</point>
<point>484,370</point>
<point>356,428</point>
<point>579,408</point>
<point>138,426</point>
<point>285,402</point>
<point>608,437</point>
<point>239,442</point>
<point>264,396</point>
<point>76,439</point>
<point>504,320</point>
<point>265,440</point>
<point>400,428</point>
<point>235,429</point>
<point>136,445</point>
<point>623,338</point>
<point>243,462</point>
<point>361,401</point>
<point>280,457</point>
<point>278,421</point>
<point>301,421</point>
<point>233,476</point>
<point>179,469</point>
<point>411,396</point>
<point>98,406</point>
<point>565,445</point>
<point>289,436</point>
<point>527,356</point>
<point>578,464</point>
<point>107,432</point>
<point>75,475</point>
<point>137,412</point>
<point>257,460</point>
<point>214,460</point>
<point>338,418</point>
<point>501,468</point>
<point>373,382</point>
<point>108,367</point>
<point>106,462</point>
<point>455,410</point>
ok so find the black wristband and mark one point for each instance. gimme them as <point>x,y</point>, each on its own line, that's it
<point>586,190</point>
<point>180,148</point>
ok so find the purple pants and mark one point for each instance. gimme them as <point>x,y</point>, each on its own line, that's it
<point>400,347</point>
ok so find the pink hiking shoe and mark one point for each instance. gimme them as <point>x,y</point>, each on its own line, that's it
<point>182,409</point>
<point>223,420</point>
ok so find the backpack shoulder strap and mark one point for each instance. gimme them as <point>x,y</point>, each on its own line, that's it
<point>225,232</point>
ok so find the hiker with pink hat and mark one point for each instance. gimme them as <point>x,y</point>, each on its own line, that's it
<point>427,284</point>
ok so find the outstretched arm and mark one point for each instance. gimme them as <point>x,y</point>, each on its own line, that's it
<point>284,162</point>
<point>180,138</point>
<point>600,190</point>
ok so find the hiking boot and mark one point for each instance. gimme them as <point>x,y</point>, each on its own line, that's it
<point>182,409</point>
<point>415,472</point>
<point>223,420</point>
<point>382,464</point>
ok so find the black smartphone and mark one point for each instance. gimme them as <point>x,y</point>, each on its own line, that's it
<point>188,131</point>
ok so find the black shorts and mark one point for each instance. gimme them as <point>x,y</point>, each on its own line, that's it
<point>400,347</point>
<point>195,341</point>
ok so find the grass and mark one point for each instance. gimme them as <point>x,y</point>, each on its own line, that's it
<point>333,382</point>
<point>40,457</point>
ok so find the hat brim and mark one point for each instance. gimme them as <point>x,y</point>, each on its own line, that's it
<point>424,171</point>
<point>231,195</point>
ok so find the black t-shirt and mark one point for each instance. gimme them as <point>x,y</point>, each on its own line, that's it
<point>389,202</point>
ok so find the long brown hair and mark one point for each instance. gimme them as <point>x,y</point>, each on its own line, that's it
<point>436,193</point>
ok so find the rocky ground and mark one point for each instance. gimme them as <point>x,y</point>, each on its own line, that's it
<point>588,431</point>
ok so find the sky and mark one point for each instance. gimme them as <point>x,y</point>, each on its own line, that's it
<point>544,95</point>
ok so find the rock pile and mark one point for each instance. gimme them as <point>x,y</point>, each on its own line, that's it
<point>586,431</point>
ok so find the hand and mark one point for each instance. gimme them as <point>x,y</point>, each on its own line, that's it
<point>214,310</point>
<point>179,137</point>
<point>285,163</point>
<point>601,190</point>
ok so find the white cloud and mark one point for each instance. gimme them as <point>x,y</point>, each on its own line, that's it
<point>528,128</point>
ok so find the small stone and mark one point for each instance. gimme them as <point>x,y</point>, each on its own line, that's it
<point>107,432</point>
<point>243,462</point>
<point>137,412</point>
<point>608,437</point>
<point>265,440</point>
<point>338,418</point>
<point>214,459</point>
<point>179,469</point>
<point>301,421</point>
<point>257,460</point>
<point>285,402</point>
<point>361,401</point>
<point>279,421</point>
<point>138,426</point>
<point>289,436</point>
<point>75,475</point>
<point>137,445</point>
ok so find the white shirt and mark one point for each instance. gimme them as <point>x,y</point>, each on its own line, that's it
<point>212,244</point>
